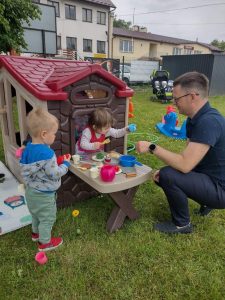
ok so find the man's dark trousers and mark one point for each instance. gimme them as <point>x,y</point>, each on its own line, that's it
<point>178,187</point>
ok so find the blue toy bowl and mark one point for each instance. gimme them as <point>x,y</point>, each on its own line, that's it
<point>128,161</point>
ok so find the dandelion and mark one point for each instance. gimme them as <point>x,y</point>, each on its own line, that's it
<point>75,213</point>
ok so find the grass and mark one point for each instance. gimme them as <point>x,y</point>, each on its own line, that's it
<point>133,263</point>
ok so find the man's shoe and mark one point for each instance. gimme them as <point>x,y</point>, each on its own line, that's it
<point>170,227</point>
<point>35,237</point>
<point>203,211</point>
<point>53,244</point>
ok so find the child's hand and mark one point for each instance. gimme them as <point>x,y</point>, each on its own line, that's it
<point>132,127</point>
<point>97,145</point>
<point>67,157</point>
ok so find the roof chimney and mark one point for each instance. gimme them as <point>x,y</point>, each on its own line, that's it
<point>136,28</point>
<point>143,29</point>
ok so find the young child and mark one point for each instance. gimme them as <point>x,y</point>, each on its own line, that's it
<point>98,129</point>
<point>42,177</point>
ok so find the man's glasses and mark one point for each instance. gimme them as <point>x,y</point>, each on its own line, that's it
<point>178,98</point>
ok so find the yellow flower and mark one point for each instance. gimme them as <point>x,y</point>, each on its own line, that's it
<point>75,213</point>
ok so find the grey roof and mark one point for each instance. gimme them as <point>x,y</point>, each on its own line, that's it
<point>158,38</point>
<point>102,2</point>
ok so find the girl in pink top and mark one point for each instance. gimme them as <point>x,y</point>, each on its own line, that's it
<point>98,129</point>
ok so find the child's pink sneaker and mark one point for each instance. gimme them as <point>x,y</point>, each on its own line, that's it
<point>35,237</point>
<point>53,244</point>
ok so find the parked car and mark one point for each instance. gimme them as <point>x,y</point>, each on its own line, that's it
<point>125,73</point>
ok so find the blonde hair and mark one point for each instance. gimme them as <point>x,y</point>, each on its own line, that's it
<point>38,120</point>
<point>100,118</point>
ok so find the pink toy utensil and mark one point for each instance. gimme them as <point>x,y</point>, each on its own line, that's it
<point>41,258</point>
<point>19,152</point>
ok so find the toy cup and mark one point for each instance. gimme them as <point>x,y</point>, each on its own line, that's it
<point>94,172</point>
<point>41,258</point>
<point>76,158</point>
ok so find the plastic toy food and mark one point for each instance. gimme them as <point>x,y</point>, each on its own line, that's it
<point>107,159</point>
<point>117,168</point>
<point>100,155</point>
<point>60,158</point>
<point>114,154</point>
<point>107,141</point>
<point>107,173</point>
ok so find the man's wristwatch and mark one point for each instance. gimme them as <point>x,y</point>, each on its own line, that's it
<point>152,148</point>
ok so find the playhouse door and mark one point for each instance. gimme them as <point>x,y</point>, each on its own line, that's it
<point>12,118</point>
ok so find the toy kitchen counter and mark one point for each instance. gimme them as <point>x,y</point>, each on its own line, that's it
<point>121,190</point>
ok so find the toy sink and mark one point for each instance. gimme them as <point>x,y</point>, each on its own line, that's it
<point>128,161</point>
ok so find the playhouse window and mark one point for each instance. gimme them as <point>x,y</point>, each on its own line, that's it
<point>91,94</point>
<point>18,109</point>
<point>79,124</point>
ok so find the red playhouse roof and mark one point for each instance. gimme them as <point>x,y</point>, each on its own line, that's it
<point>45,78</point>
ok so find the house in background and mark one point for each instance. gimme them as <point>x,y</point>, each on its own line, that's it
<point>138,44</point>
<point>84,28</point>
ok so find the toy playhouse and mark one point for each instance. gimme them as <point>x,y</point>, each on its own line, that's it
<point>70,90</point>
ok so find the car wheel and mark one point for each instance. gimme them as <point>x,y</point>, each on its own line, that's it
<point>126,80</point>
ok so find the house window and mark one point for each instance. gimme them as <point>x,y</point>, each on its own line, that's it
<point>86,15</point>
<point>58,42</point>
<point>36,1</point>
<point>71,43</point>
<point>100,47</point>
<point>188,51</point>
<point>87,45</point>
<point>101,17</point>
<point>70,12</point>
<point>176,51</point>
<point>197,52</point>
<point>126,46</point>
<point>56,4</point>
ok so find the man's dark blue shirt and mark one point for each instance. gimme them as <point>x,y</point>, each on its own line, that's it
<point>208,127</point>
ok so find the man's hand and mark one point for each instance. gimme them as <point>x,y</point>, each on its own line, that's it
<point>142,146</point>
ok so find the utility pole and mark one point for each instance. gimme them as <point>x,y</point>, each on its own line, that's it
<point>133,28</point>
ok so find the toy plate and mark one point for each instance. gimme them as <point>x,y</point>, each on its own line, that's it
<point>97,159</point>
<point>118,172</point>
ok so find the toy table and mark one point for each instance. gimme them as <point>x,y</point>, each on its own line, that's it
<point>122,191</point>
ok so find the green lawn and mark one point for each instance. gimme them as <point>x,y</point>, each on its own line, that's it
<point>133,263</point>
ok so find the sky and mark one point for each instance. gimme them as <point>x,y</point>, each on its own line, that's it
<point>202,20</point>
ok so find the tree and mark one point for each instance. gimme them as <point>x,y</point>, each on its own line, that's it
<point>218,44</point>
<point>12,15</point>
<point>119,23</point>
